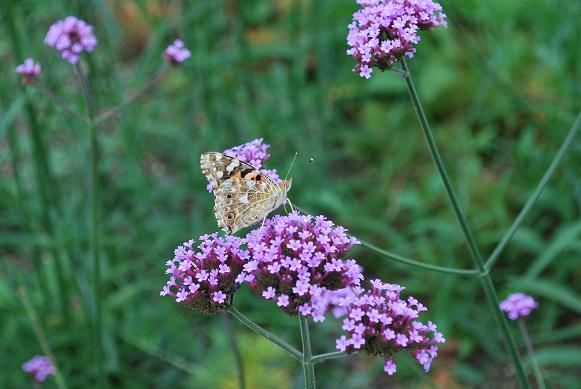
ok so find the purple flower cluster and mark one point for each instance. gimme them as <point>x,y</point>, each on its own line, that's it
<point>29,70</point>
<point>253,153</point>
<point>518,305</point>
<point>206,277</point>
<point>40,367</point>
<point>383,31</point>
<point>296,259</point>
<point>70,37</point>
<point>177,53</point>
<point>381,323</point>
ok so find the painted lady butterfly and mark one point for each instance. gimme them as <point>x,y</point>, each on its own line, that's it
<point>243,196</point>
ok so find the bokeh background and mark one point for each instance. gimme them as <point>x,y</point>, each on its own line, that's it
<point>501,87</point>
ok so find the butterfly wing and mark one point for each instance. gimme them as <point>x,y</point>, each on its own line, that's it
<point>218,167</point>
<point>243,195</point>
<point>241,203</point>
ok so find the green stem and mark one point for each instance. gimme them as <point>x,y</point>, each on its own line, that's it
<point>325,357</point>
<point>119,109</point>
<point>40,336</point>
<point>485,278</point>
<point>411,262</point>
<point>42,171</point>
<point>420,265</point>
<point>308,365</point>
<point>293,352</point>
<point>61,104</point>
<point>536,194</point>
<point>235,350</point>
<point>94,223</point>
<point>531,351</point>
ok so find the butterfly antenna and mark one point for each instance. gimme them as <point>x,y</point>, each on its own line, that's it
<point>291,165</point>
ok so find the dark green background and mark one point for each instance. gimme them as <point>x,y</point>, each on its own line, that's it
<point>501,87</point>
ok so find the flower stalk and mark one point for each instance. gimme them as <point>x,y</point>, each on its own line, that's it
<point>532,356</point>
<point>293,352</point>
<point>307,360</point>
<point>235,350</point>
<point>484,273</point>
<point>94,224</point>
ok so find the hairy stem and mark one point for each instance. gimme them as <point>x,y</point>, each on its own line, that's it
<point>111,113</point>
<point>40,336</point>
<point>536,193</point>
<point>485,278</point>
<point>235,350</point>
<point>532,356</point>
<point>308,365</point>
<point>293,352</point>
<point>94,223</point>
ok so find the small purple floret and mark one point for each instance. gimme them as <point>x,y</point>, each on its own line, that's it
<point>40,367</point>
<point>297,260</point>
<point>29,70</point>
<point>383,31</point>
<point>518,305</point>
<point>176,53</point>
<point>206,276</point>
<point>70,37</point>
<point>381,323</point>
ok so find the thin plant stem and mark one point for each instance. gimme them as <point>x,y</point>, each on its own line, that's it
<point>325,357</point>
<point>407,261</point>
<point>293,352</point>
<point>108,114</point>
<point>308,365</point>
<point>485,278</point>
<point>230,334</point>
<point>43,175</point>
<point>420,265</point>
<point>61,104</point>
<point>536,193</point>
<point>532,355</point>
<point>40,336</point>
<point>94,225</point>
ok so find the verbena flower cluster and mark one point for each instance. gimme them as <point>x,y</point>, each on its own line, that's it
<point>296,259</point>
<point>177,53</point>
<point>380,322</point>
<point>70,37</point>
<point>39,367</point>
<point>205,277</point>
<point>383,31</point>
<point>518,305</point>
<point>253,153</point>
<point>29,70</point>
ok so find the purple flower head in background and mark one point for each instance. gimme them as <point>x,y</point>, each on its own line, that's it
<point>253,153</point>
<point>176,53</point>
<point>383,31</point>
<point>40,367</point>
<point>518,305</point>
<point>205,277</point>
<point>29,70</point>
<point>381,323</point>
<point>70,37</point>
<point>296,259</point>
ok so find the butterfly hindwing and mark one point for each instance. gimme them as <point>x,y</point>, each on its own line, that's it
<point>243,195</point>
<point>240,203</point>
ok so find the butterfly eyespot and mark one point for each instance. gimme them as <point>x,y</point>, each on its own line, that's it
<point>229,196</point>
<point>230,216</point>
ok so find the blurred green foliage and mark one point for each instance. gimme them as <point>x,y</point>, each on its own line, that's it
<point>501,87</point>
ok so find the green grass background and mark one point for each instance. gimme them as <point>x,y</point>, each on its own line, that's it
<point>501,87</point>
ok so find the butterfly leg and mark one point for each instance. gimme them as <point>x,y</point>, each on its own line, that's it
<point>291,205</point>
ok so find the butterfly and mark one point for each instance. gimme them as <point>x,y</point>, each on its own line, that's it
<point>243,195</point>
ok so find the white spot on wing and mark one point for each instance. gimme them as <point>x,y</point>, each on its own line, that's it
<point>219,174</point>
<point>243,199</point>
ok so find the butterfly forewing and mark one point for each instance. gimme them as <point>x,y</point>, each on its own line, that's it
<point>243,195</point>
